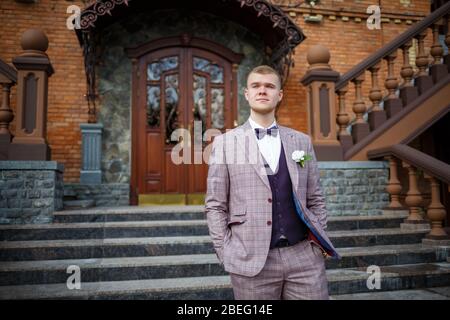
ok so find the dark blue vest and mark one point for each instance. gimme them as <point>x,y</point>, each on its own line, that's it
<point>285,221</point>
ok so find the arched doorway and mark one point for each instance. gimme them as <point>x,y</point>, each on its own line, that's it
<point>177,83</point>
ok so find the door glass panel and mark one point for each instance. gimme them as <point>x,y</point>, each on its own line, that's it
<point>155,69</point>
<point>200,100</point>
<point>215,71</point>
<point>217,106</point>
<point>153,106</point>
<point>172,100</point>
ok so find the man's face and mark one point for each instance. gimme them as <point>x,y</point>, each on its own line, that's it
<point>263,92</point>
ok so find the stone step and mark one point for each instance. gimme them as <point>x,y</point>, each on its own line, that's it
<point>98,230</point>
<point>373,237</point>
<point>194,265</point>
<point>393,277</point>
<point>131,213</point>
<point>177,213</point>
<point>340,281</point>
<point>157,227</point>
<point>343,238</point>
<point>103,248</point>
<point>438,293</point>
<point>78,204</point>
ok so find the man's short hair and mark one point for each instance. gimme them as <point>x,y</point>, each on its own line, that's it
<point>265,69</point>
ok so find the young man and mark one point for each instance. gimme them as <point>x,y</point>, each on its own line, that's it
<point>267,217</point>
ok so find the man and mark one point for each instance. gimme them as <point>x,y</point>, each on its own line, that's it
<point>267,217</point>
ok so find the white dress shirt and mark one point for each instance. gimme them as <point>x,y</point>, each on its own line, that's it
<point>269,146</point>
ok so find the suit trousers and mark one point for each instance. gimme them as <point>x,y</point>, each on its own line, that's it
<point>290,273</point>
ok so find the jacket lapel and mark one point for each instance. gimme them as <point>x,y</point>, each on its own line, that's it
<point>253,145</point>
<point>288,141</point>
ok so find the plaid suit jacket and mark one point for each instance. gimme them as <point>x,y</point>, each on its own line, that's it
<point>238,201</point>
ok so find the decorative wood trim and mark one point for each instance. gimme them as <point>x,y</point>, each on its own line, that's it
<point>90,15</point>
<point>184,40</point>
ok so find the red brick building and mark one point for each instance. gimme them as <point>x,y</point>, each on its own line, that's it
<point>242,33</point>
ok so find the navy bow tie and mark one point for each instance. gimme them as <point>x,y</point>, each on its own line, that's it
<point>260,132</point>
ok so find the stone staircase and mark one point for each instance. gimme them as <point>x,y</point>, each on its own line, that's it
<point>166,253</point>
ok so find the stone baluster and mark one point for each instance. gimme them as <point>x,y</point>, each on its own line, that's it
<point>423,80</point>
<point>392,104</point>
<point>437,70</point>
<point>413,197</point>
<point>377,116</point>
<point>447,43</point>
<point>6,116</point>
<point>394,187</point>
<point>343,120</point>
<point>436,212</point>
<point>408,92</point>
<point>360,128</point>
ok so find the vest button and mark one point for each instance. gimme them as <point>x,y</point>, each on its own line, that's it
<point>270,200</point>
<point>269,223</point>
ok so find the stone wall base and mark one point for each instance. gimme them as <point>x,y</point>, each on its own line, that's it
<point>30,191</point>
<point>104,195</point>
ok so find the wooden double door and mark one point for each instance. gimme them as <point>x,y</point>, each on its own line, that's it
<point>178,87</point>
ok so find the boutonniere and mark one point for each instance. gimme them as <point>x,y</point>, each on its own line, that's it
<point>300,157</point>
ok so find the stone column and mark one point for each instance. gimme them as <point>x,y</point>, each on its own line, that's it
<point>34,68</point>
<point>320,80</point>
<point>91,153</point>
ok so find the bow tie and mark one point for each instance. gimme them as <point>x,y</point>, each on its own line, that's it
<point>260,132</point>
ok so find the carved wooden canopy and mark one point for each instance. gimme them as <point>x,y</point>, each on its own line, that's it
<point>279,33</point>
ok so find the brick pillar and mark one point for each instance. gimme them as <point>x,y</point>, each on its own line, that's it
<point>34,68</point>
<point>320,80</point>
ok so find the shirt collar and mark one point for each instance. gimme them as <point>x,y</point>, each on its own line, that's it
<point>254,125</point>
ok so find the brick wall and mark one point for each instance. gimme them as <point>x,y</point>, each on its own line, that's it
<point>349,42</point>
<point>67,107</point>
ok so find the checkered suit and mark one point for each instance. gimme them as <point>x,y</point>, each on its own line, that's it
<point>238,200</point>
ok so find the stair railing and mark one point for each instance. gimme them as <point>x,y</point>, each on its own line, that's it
<point>435,171</point>
<point>329,125</point>
<point>398,95</point>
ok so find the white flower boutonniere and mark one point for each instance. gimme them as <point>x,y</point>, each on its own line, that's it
<point>300,157</point>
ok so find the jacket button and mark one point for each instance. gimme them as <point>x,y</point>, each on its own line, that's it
<point>270,200</point>
<point>269,223</point>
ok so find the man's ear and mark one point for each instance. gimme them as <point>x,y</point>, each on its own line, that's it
<point>280,95</point>
<point>246,93</point>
